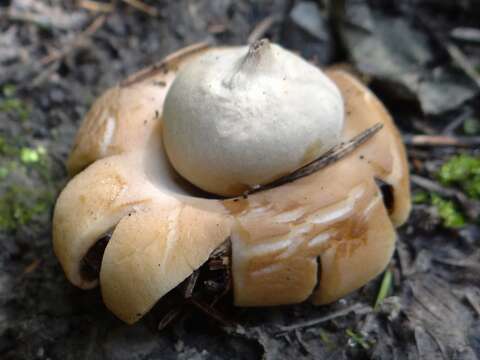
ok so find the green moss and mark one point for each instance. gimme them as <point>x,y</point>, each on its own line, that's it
<point>472,187</point>
<point>32,156</point>
<point>24,158</point>
<point>463,171</point>
<point>459,168</point>
<point>420,197</point>
<point>6,148</point>
<point>451,216</point>
<point>325,337</point>
<point>11,104</point>
<point>471,126</point>
<point>20,206</point>
<point>3,172</point>
<point>9,90</point>
<point>358,339</point>
<point>20,203</point>
<point>446,209</point>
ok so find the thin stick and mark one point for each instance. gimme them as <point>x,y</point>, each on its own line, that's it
<point>354,308</point>
<point>450,128</point>
<point>471,207</point>
<point>466,34</point>
<point>454,51</point>
<point>89,31</point>
<point>462,61</point>
<point>302,343</point>
<point>169,317</point>
<point>163,64</point>
<point>192,281</point>
<point>96,6</point>
<point>261,28</point>
<point>441,140</point>
<point>147,9</point>
<point>214,314</point>
<point>44,75</point>
<point>433,186</point>
<point>333,155</point>
<point>471,264</point>
<point>473,300</point>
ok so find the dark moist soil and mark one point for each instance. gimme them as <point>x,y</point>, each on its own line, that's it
<point>57,56</point>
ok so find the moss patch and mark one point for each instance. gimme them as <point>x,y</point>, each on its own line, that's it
<point>462,171</point>
<point>448,212</point>
<point>20,205</point>
<point>420,197</point>
<point>471,126</point>
<point>12,104</point>
<point>21,202</point>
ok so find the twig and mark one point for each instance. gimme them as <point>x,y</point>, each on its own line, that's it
<point>47,71</point>
<point>217,28</point>
<point>462,61</point>
<point>32,267</point>
<point>221,258</point>
<point>441,140</point>
<point>96,6</point>
<point>354,308</point>
<point>162,66</point>
<point>302,342</point>
<point>169,317</point>
<point>404,259</point>
<point>137,4</point>
<point>192,281</point>
<point>466,34</point>
<point>41,13</point>
<point>423,127</point>
<point>467,263</point>
<point>473,300</point>
<point>357,338</point>
<point>438,342</point>
<point>214,314</point>
<point>450,128</point>
<point>471,207</point>
<point>333,155</point>
<point>434,186</point>
<point>471,261</point>
<point>262,27</point>
<point>89,31</point>
<point>29,17</point>
<point>453,50</point>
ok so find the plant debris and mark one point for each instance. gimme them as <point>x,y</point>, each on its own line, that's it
<point>385,288</point>
<point>397,51</point>
<point>357,339</point>
<point>331,156</point>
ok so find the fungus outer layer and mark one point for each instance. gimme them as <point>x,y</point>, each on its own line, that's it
<point>161,230</point>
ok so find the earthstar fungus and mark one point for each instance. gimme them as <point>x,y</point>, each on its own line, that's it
<point>237,118</point>
<point>318,237</point>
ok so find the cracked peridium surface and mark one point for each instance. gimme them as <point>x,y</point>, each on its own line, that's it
<point>162,230</point>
